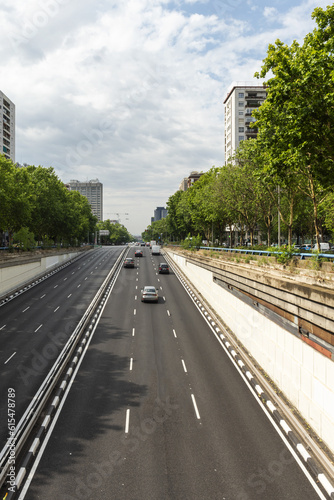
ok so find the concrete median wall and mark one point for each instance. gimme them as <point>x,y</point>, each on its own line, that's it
<point>305,375</point>
<point>15,274</point>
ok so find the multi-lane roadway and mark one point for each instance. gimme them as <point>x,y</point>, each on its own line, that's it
<point>35,325</point>
<point>157,410</point>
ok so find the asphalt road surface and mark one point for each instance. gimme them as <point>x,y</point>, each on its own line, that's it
<point>36,324</point>
<point>158,411</point>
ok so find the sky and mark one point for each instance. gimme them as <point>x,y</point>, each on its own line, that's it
<point>131,92</point>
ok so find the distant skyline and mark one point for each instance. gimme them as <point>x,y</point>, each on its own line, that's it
<point>132,92</point>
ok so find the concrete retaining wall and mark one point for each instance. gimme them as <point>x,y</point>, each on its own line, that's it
<point>304,375</point>
<point>13,275</point>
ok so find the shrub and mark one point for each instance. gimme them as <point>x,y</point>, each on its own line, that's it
<point>24,239</point>
<point>286,254</point>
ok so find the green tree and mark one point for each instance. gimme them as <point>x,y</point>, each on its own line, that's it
<point>118,234</point>
<point>79,221</point>
<point>206,211</point>
<point>24,238</point>
<point>16,206</point>
<point>178,218</point>
<point>49,203</point>
<point>296,120</point>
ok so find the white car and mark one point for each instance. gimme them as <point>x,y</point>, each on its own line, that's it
<point>149,294</point>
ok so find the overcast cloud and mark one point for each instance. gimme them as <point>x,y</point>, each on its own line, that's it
<point>132,92</point>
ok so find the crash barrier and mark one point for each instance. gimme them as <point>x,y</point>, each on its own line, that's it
<point>268,253</point>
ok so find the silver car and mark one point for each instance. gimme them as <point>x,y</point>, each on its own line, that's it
<point>149,294</point>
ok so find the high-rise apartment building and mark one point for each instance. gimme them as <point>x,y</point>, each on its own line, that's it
<point>93,191</point>
<point>241,100</point>
<point>7,127</point>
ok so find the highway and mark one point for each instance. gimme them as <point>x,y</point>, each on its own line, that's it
<point>35,325</point>
<point>157,410</point>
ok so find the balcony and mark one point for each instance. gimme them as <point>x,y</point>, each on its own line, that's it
<point>253,103</point>
<point>249,120</point>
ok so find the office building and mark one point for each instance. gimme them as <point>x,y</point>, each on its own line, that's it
<point>241,100</point>
<point>7,127</point>
<point>159,213</point>
<point>93,191</point>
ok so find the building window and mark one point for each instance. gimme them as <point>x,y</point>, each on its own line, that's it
<point>241,104</point>
<point>241,94</point>
<point>241,113</point>
<point>241,138</point>
<point>241,129</point>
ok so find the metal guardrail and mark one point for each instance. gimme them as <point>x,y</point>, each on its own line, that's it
<point>267,253</point>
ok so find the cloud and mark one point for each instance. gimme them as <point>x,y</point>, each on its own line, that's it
<point>132,92</point>
<point>270,13</point>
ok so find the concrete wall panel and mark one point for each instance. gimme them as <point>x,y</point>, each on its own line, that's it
<point>12,277</point>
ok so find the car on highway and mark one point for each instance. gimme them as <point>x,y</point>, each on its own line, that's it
<point>149,294</point>
<point>129,262</point>
<point>138,253</point>
<point>163,268</point>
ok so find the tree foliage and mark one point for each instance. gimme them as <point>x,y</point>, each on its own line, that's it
<point>296,120</point>
<point>118,234</point>
<point>35,202</point>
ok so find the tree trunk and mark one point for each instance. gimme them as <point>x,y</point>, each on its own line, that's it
<point>315,212</point>
<point>268,231</point>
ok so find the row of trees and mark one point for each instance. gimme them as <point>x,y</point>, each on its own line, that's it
<point>36,205</point>
<point>288,169</point>
<point>117,233</point>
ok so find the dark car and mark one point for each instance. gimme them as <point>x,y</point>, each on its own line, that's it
<point>129,262</point>
<point>138,253</point>
<point>163,268</point>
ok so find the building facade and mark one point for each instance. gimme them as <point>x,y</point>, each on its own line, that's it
<point>241,100</point>
<point>187,182</point>
<point>159,213</point>
<point>7,127</point>
<point>93,191</point>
